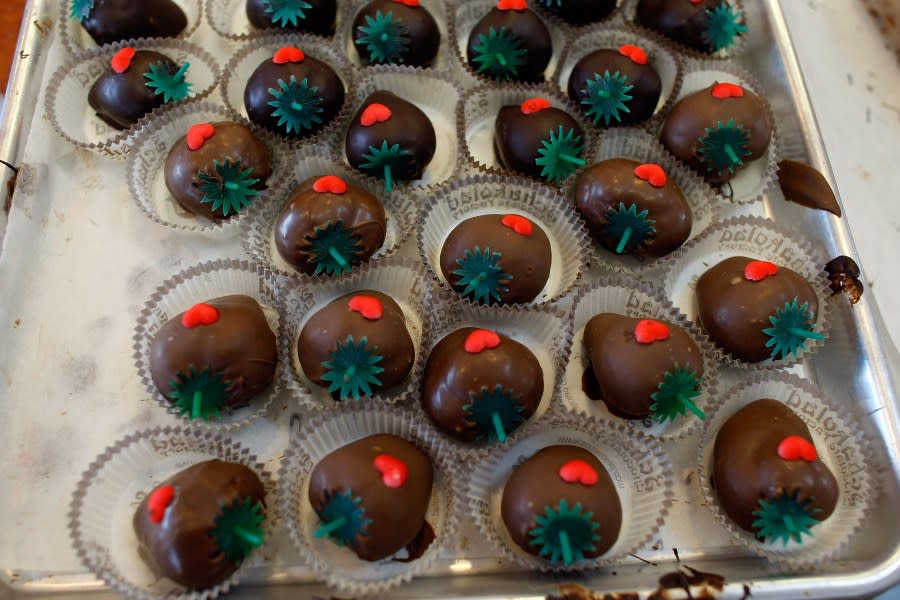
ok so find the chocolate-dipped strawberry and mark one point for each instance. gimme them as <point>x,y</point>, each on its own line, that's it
<point>561,504</point>
<point>755,309</point>
<point>327,226</point>
<point>703,25</point>
<point>309,16</point>
<point>110,21</point>
<point>372,495</point>
<point>579,12</point>
<point>644,367</point>
<point>633,208</point>
<point>768,475</point>
<point>510,43</point>
<point>718,130</point>
<point>219,354</point>
<point>538,140</point>
<point>138,81</point>
<point>497,259</point>
<point>199,525</point>
<point>616,86</point>
<point>357,345</point>
<point>481,385</point>
<point>390,139</point>
<point>396,32</point>
<point>217,169</point>
<point>293,94</point>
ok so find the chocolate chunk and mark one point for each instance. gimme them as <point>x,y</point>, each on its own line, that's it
<point>806,186</point>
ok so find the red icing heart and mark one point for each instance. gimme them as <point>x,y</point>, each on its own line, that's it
<point>794,447</point>
<point>369,307</point>
<point>695,2</point>
<point>288,54</point>
<point>533,105</point>
<point>757,270</point>
<point>578,471</point>
<point>519,224</point>
<point>374,113</point>
<point>512,5</point>
<point>412,3</point>
<point>158,501</point>
<point>648,331</point>
<point>393,470</point>
<point>723,91</point>
<point>651,173</point>
<point>635,53</point>
<point>198,134</point>
<point>480,339</point>
<point>200,314</point>
<point>122,60</point>
<point>331,184</point>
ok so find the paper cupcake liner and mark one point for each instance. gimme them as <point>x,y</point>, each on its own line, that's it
<point>624,295</point>
<point>204,282</point>
<point>76,38</point>
<point>66,102</point>
<point>757,238</point>
<point>637,465</point>
<point>113,486</point>
<point>228,18</point>
<point>480,107</point>
<point>436,94</point>
<point>253,52</point>
<point>145,166</point>
<point>258,229</point>
<point>402,279</point>
<point>841,445</point>
<point>324,433</point>
<point>546,331</point>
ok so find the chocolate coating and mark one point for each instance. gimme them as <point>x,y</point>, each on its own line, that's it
<point>180,547</point>
<point>421,33</point>
<point>524,26</point>
<point>611,182</point>
<point>231,141</point>
<point>397,514</point>
<point>747,468</point>
<point>734,310</point>
<point>628,372</point>
<point>407,126</point>
<point>806,186</point>
<point>525,258</point>
<point>690,117</point>
<point>536,484</point>
<point>518,137</point>
<point>240,345</point>
<point>305,210</point>
<point>317,18</point>
<point>121,99</point>
<point>644,95</point>
<point>115,20</point>
<point>579,12</point>
<point>388,335</point>
<point>330,89</point>
<point>678,20</point>
<point>453,376</point>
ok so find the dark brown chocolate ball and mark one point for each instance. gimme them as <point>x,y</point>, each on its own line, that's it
<point>579,12</point>
<point>705,25</point>
<point>510,45</point>
<point>110,21</point>
<point>310,16</point>
<point>544,143</point>
<point>394,32</point>
<point>121,99</point>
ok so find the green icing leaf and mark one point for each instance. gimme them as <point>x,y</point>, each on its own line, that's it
<point>238,529</point>
<point>783,518</point>
<point>173,87</point>
<point>199,395</point>
<point>560,155</point>
<point>480,276</point>
<point>675,395</point>
<point>723,26</point>
<point>384,37</point>
<point>383,162</point>
<point>287,12</point>
<point>297,105</point>
<point>792,325</point>
<point>564,534</point>
<point>723,148</point>
<point>493,413</point>
<point>353,369</point>
<point>630,227</point>
<point>230,189</point>
<point>605,95</point>
<point>499,54</point>
<point>333,249</point>
<point>81,9</point>
<point>343,518</point>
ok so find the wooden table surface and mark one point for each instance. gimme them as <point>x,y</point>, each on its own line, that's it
<point>10,18</point>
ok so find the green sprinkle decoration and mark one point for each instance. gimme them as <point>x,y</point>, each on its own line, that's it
<point>784,518</point>
<point>723,26</point>
<point>792,325</point>
<point>81,9</point>
<point>493,413</point>
<point>675,395</point>
<point>499,54</point>
<point>297,105</point>
<point>287,12</point>
<point>724,148</point>
<point>564,534</point>
<point>560,155</point>
<point>199,395</point>
<point>384,162</point>
<point>605,96</point>
<point>333,249</point>
<point>343,518</point>
<point>173,87</point>
<point>230,189</point>
<point>384,38</point>
<point>631,228</point>
<point>480,276</point>
<point>353,369</point>
<point>238,529</point>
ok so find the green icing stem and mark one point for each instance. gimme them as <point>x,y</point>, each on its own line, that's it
<point>789,522</point>
<point>197,406</point>
<point>250,537</point>
<point>498,427</point>
<point>327,528</point>
<point>565,546</point>
<point>349,373</point>
<point>730,152</point>
<point>500,59</point>
<point>623,241</point>
<point>387,178</point>
<point>691,406</point>
<point>181,71</point>
<point>337,257</point>
<point>803,333</point>
<point>572,159</point>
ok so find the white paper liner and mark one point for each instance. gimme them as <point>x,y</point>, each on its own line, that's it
<point>324,433</point>
<point>494,194</point>
<point>113,486</point>
<point>637,465</point>
<point>478,114</point>
<point>436,94</point>
<point>252,53</point>
<point>546,331</point>
<point>145,166</point>
<point>842,446</point>
<point>76,38</point>
<point>228,18</point>
<point>66,101</point>
<point>258,228</point>
<point>624,295</point>
<point>760,239</point>
<point>204,282</point>
<point>402,279</point>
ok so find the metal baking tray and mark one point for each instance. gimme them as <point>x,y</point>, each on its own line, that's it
<point>43,451</point>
